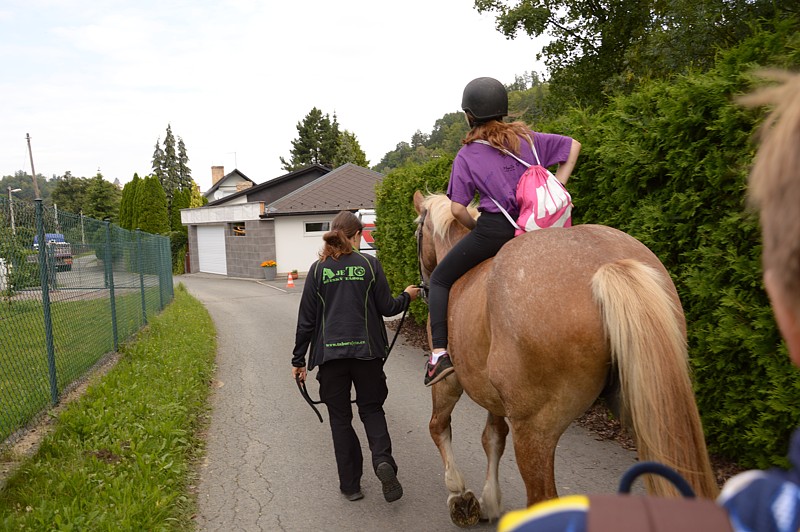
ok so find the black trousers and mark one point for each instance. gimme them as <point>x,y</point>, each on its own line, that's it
<point>335,379</point>
<point>483,242</point>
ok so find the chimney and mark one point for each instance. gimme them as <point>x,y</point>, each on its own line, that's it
<point>217,173</point>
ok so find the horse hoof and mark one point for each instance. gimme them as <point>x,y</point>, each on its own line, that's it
<point>465,511</point>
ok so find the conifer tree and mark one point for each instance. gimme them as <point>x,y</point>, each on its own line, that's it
<point>169,179</point>
<point>349,151</point>
<point>102,199</point>
<point>184,172</point>
<point>128,215</point>
<point>151,204</point>
<point>180,200</point>
<point>124,205</point>
<point>158,160</point>
<point>317,142</point>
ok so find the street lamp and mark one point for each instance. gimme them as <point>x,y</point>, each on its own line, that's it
<point>11,207</point>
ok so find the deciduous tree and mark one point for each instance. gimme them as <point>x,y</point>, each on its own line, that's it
<point>69,193</point>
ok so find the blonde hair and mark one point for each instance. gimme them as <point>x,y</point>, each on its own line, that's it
<point>499,134</point>
<point>774,185</point>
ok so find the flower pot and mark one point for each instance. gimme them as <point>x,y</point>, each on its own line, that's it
<point>269,273</point>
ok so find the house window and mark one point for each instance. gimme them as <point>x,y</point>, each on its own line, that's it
<point>238,229</point>
<point>317,227</point>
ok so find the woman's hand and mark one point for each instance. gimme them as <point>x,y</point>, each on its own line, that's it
<point>413,291</point>
<point>299,372</point>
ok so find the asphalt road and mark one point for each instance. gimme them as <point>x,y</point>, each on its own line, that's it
<point>269,463</point>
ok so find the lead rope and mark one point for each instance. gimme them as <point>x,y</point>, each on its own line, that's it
<point>302,385</point>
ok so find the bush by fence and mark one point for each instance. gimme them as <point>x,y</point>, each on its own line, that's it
<point>68,302</point>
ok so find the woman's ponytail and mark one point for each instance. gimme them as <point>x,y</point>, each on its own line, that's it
<point>338,241</point>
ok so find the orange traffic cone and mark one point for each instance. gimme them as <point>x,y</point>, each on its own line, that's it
<point>290,282</point>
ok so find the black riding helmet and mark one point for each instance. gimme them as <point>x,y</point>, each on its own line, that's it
<point>485,99</point>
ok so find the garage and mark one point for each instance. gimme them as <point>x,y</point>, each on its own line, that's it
<point>211,249</point>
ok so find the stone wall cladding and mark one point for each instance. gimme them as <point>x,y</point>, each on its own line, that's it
<point>245,254</point>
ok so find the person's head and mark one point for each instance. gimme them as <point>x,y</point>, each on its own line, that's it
<point>344,235</point>
<point>484,100</point>
<point>774,189</point>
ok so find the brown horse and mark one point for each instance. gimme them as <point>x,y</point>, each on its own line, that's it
<point>538,332</point>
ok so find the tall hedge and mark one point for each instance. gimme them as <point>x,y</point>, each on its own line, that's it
<point>394,226</point>
<point>668,164</point>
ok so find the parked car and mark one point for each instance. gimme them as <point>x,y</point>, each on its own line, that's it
<point>62,250</point>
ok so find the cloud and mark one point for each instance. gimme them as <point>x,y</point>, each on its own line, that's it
<point>101,82</point>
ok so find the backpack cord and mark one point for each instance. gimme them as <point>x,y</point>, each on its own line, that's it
<point>524,163</point>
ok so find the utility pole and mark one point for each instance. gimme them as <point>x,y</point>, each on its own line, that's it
<point>33,172</point>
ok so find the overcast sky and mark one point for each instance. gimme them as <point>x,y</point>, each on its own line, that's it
<point>95,83</point>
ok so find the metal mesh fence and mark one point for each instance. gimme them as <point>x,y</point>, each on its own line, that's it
<point>68,302</point>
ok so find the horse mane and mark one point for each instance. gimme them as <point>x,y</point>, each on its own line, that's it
<point>438,208</point>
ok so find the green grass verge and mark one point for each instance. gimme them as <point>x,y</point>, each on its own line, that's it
<point>121,457</point>
<point>82,334</point>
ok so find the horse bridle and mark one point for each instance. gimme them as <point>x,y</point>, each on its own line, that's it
<point>424,286</point>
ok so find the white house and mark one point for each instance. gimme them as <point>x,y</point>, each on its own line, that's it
<point>281,220</point>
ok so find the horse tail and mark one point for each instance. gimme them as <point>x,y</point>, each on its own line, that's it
<point>644,325</point>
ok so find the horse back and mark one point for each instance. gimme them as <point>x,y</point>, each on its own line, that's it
<point>527,327</point>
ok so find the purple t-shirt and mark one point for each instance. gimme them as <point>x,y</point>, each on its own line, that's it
<point>492,173</point>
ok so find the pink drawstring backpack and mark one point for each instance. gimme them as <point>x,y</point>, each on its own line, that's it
<point>543,200</point>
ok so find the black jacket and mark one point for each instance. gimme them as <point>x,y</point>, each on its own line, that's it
<point>341,311</point>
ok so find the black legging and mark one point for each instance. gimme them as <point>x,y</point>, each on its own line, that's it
<point>492,231</point>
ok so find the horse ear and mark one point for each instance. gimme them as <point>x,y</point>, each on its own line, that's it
<point>418,199</point>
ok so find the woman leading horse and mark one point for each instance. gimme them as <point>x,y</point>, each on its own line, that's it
<point>538,332</point>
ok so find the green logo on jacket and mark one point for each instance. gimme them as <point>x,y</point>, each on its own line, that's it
<point>348,273</point>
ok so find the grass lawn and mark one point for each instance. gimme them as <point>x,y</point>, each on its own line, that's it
<point>82,334</point>
<point>121,457</point>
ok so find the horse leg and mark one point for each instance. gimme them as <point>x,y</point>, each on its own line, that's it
<point>464,507</point>
<point>535,449</point>
<point>494,444</point>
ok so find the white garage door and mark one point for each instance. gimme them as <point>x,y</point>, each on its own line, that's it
<point>211,249</point>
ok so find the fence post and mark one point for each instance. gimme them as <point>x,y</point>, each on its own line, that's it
<point>110,280</point>
<point>170,282</point>
<point>141,274</point>
<point>161,279</point>
<point>48,320</point>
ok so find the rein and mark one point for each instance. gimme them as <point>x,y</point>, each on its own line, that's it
<point>302,385</point>
<point>423,282</point>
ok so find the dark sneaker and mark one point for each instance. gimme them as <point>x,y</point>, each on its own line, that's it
<point>392,490</point>
<point>437,372</point>
<point>357,496</point>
